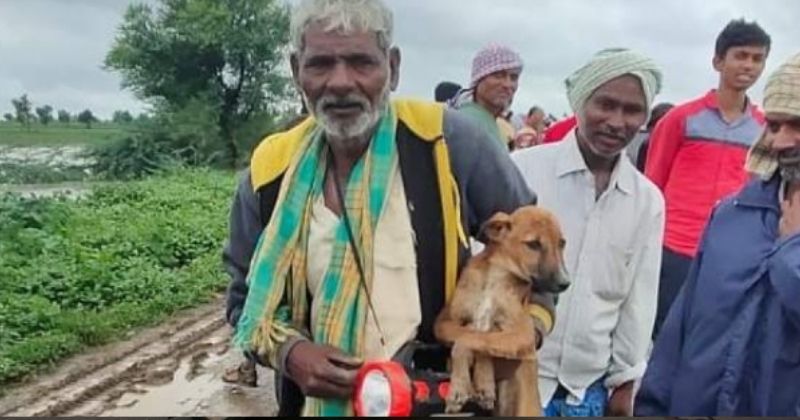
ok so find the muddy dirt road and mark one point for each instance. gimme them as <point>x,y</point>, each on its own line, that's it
<point>172,370</point>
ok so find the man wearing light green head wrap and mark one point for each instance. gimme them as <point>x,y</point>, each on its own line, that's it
<point>613,219</point>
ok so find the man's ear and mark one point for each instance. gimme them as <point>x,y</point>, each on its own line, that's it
<point>394,67</point>
<point>716,62</point>
<point>294,63</point>
<point>496,228</point>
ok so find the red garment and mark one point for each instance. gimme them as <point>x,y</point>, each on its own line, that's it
<point>697,159</point>
<point>559,129</point>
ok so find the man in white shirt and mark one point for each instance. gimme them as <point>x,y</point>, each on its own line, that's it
<point>613,220</point>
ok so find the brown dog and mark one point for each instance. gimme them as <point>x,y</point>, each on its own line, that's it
<point>486,320</point>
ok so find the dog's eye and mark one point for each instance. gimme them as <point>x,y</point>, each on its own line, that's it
<point>535,245</point>
<point>562,243</point>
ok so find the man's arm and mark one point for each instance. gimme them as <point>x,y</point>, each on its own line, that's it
<point>630,339</point>
<point>655,394</point>
<point>245,227</point>
<point>784,273</point>
<point>665,141</point>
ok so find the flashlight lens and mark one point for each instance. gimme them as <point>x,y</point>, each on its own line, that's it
<point>376,395</point>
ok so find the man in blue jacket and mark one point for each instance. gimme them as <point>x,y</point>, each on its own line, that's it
<point>730,345</point>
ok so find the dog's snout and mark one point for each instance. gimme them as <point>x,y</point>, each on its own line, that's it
<point>562,286</point>
<point>557,283</point>
<point>563,280</point>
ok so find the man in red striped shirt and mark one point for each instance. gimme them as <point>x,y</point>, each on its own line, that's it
<point>697,151</point>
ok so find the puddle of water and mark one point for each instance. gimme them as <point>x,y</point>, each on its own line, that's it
<point>196,389</point>
<point>68,189</point>
<point>179,396</point>
<point>52,156</point>
<point>191,386</point>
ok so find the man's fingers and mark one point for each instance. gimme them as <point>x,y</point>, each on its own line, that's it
<point>339,376</point>
<point>344,361</point>
<point>794,198</point>
<point>321,388</point>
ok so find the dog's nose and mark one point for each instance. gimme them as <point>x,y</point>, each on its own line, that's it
<point>562,285</point>
<point>563,281</point>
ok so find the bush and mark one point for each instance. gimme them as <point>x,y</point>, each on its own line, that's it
<point>134,156</point>
<point>79,273</point>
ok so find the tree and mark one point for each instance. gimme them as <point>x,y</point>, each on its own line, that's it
<point>45,114</point>
<point>22,107</point>
<point>224,52</point>
<point>8,117</point>
<point>63,116</point>
<point>86,117</point>
<point>122,117</point>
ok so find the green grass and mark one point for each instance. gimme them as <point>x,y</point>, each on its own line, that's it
<point>79,273</point>
<point>58,134</point>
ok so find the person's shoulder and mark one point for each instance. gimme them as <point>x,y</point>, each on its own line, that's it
<point>542,152</point>
<point>729,205</point>
<point>689,107</point>
<point>272,155</point>
<point>458,122</point>
<point>648,190</point>
<point>463,133</point>
<point>538,162</point>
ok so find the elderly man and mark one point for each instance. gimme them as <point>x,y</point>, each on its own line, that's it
<point>494,81</point>
<point>613,218</point>
<point>366,206</point>
<point>730,345</point>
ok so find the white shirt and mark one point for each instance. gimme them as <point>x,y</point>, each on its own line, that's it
<point>394,289</point>
<point>613,256</point>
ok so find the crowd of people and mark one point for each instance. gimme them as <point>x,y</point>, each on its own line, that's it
<point>682,222</point>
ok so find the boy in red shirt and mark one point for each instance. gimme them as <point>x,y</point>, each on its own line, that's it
<point>697,151</point>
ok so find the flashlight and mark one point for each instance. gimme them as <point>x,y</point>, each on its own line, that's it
<point>383,389</point>
<point>415,383</point>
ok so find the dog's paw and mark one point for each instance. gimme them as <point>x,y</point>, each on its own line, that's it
<point>457,397</point>
<point>486,398</point>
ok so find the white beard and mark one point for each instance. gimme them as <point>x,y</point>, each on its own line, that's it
<point>345,133</point>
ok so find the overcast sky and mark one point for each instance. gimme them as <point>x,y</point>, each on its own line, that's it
<point>53,49</point>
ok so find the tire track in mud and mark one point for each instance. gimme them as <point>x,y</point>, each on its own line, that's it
<point>149,357</point>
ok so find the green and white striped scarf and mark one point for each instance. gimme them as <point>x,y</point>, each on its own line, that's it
<point>276,307</point>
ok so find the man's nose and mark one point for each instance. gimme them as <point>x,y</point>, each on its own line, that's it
<point>785,138</point>
<point>341,79</point>
<point>616,121</point>
<point>510,83</point>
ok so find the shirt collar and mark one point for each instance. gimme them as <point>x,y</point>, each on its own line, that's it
<point>711,100</point>
<point>762,193</point>
<point>571,160</point>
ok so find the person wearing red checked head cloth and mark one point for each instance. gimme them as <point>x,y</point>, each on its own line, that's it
<point>494,81</point>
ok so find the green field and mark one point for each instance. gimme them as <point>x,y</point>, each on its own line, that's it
<point>77,273</point>
<point>58,134</point>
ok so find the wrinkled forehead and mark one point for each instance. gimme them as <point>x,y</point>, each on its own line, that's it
<point>626,89</point>
<point>782,117</point>
<point>320,39</point>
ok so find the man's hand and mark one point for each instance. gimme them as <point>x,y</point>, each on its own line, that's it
<point>790,214</point>
<point>322,371</point>
<point>621,401</point>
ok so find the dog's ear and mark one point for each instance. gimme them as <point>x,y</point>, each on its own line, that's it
<point>496,228</point>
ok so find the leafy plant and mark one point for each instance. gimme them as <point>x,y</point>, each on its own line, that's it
<point>75,273</point>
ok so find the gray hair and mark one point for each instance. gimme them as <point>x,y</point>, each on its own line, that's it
<point>346,16</point>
